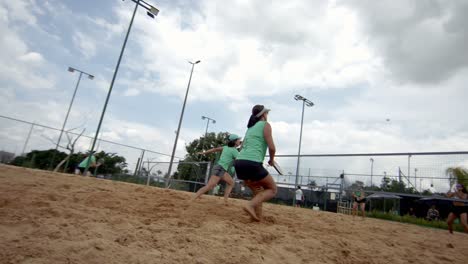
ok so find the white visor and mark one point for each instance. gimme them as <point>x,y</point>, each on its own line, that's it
<point>264,110</point>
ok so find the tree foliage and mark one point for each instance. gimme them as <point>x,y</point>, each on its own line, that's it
<point>459,174</point>
<point>193,172</point>
<point>40,159</point>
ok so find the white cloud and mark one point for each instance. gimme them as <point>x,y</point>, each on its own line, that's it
<point>85,44</point>
<point>20,64</point>
<point>420,41</point>
<point>268,56</point>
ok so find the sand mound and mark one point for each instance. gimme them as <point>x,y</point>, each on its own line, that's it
<point>57,218</point>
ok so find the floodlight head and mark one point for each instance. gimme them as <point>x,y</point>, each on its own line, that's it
<point>203,117</point>
<point>154,11</point>
<point>70,69</point>
<point>214,121</point>
<point>298,97</point>
<point>198,61</point>
<point>308,103</point>
<point>90,76</point>
<point>150,15</point>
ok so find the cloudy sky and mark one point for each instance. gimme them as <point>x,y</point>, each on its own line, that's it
<point>360,62</point>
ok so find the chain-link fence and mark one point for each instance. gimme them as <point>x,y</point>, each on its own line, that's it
<point>324,178</point>
<point>33,145</point>
<point>421,171</point>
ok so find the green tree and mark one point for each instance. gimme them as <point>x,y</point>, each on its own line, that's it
<point>39,159</point>
<point>385,183</point>
<point>457,174</point>
<point>191,171</point>
<point>312,184</point>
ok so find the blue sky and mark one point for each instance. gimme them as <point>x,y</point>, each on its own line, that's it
<point>360,62</point>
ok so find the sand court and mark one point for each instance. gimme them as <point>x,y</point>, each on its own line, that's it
<point>58,218</point>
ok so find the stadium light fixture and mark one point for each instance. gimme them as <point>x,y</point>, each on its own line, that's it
<point>208,120</point>
<point>305,102</point>
<point>72,70</point>
<point>153,11</point>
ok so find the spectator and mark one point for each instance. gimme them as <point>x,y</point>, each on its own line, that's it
<point>432,214</point>
<point>299,197</point>
<point>411,212</point>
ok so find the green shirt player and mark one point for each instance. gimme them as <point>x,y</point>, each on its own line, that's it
<point>249,164</point>
<point>359,200</point>
<point>224,169</point>
<point>92,165</point>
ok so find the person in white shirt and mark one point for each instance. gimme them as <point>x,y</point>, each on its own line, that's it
<point>299,197</point>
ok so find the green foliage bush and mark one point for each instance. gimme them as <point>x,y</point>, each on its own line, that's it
<point>413,220</point>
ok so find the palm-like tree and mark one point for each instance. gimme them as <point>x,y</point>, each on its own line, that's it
<point>457,175</point>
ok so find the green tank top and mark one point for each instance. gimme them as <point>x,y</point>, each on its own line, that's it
<point>228,155</point>
<point>357,194</point>
<point>86,160</point>
<point>254,146</point>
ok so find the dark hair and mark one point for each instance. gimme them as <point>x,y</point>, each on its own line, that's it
<point>464,189</point>
<point>253,118</point>
<point>232,143</point>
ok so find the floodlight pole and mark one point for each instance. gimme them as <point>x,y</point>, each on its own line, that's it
<point>371,170</point>
<point>90,76</point>
<point>409,171</point>
<point>207,124</point>
<point>180,123</point>
<point>152,11</point>
<point>309,103</point>
<point>27,139</point>
<point>415,179</point>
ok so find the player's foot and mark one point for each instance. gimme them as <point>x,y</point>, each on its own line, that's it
<point>251,211</point>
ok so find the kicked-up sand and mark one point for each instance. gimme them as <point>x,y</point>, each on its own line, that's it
<point>59,218</point>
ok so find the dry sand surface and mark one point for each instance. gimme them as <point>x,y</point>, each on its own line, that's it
<point>57,218</point>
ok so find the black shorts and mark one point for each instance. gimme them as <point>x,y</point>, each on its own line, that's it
<point>299,202</point>
<point>459,210</point>
<point>250,170</point>
<point>218,171</point>
<point>82,169</point>
<point>90,169</point>
<point>363,200</point>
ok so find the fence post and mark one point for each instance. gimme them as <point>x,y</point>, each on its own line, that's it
<point>148,179</point>
<point>136,168</point>
<point>141,163</point>
<point>207,176</point>
<point>27,139</point>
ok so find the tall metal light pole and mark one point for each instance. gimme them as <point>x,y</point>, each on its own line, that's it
<point>409,171</point>
<point>371,170</point>
<point>415,180</point>
<point>151,12</point>
<point>207,124</point>
<point>305,102</point>
<point>180,123</point>
<point>90,76</point>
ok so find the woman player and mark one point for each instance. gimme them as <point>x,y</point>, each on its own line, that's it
<point>459,209</point>
<point>249,163</point>
<point>224,169</point>
<point>359,200</point>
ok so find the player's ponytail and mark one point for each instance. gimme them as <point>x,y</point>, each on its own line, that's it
<point>257,112</point>
<point>252,121</point>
